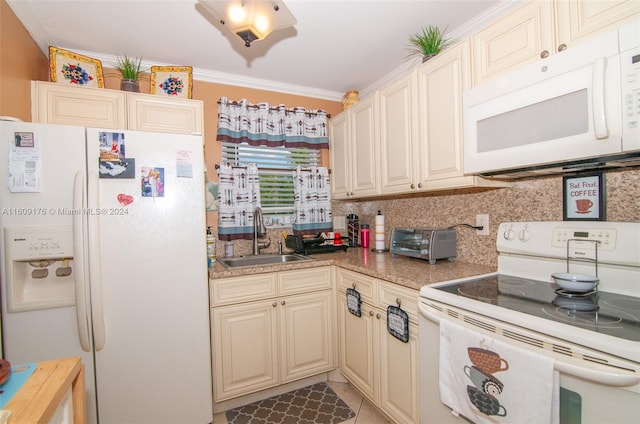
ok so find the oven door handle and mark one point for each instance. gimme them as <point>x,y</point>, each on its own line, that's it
<point>610,378</point>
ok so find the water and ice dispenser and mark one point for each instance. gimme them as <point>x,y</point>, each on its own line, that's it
<point>39,267</point>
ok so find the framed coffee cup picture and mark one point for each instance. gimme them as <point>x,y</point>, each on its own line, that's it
<point>584,197</point>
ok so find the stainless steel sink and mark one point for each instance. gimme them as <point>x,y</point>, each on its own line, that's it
<point>260,260</point>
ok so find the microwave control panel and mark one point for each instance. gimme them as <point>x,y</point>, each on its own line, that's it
<point>631,94</point>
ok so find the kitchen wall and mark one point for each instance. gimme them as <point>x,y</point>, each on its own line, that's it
<point>540,199</point>
<point>534,199</point>
<point>22,61</point>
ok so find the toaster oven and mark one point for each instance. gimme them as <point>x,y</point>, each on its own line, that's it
<point>427,244</point>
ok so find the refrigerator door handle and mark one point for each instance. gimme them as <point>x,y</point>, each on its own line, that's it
<point>94,259</point>
<point>82,315</point>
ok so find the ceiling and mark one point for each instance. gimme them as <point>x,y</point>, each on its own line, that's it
<point>336,46</point>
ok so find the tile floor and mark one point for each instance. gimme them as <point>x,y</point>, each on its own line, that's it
<point>366,413</point>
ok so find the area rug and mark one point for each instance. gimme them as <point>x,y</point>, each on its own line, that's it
<point>316,404</point>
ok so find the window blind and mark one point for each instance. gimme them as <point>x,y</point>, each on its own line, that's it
<point>274,167</point>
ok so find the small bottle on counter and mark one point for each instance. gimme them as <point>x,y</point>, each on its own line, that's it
<point>228,248</point>
<point>211,247</point>
<point>364,235</point>
<point>379,232</point>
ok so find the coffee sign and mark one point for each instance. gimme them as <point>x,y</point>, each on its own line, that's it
<point>583,197</point>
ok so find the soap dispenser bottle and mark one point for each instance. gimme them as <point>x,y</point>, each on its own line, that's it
<point>228,247</point>
<point>211,248</point>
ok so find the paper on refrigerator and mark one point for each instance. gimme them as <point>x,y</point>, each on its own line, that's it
<point>24,164</point>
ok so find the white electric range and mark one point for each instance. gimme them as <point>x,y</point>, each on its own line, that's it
<point>593,337</point>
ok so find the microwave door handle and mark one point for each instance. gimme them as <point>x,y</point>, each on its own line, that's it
<point>599,110</point>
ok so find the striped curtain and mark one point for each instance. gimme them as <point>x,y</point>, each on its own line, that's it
<point>312,202</point>
<point>238,197</point>
<point>264,125</point>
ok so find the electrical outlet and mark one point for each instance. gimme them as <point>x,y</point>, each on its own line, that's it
<point>339,223</point>
<point>482,219</point>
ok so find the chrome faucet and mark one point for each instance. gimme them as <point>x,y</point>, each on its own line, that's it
<point>259,231</point>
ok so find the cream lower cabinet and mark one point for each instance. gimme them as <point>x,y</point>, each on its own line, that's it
<point>270,329</point>
<point>358,337</point>
<point>53,103</point>
<point>382,367</point>
<point>542,28</point>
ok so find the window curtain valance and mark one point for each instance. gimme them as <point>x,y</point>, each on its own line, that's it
<point>262,124</point>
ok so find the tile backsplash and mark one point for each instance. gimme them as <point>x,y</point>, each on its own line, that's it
<point>527,200</point>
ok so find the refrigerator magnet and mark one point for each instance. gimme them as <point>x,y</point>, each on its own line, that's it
<point>125,199</point>
<point>184,164</point>
<point>111,146</point>
<point>125,168</point>
<point>113,162</point>
<point>152,182</point>
<point>25,163</point>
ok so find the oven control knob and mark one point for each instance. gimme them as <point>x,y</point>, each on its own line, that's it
<point>509,234</point>
<point>523,235</point>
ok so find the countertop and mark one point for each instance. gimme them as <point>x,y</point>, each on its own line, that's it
<point>409,272</point>
<point>41,394</point>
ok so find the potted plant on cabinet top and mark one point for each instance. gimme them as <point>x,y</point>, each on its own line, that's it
<point>428,42</point>
<point>131,70</point>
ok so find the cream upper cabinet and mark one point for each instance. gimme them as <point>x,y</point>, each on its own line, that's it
<point>441,82</point>
<point>439,157</point>
<point>364,146</point>
<point>397,135</point>
<point>159,114</point>
<point>579,19</point>
<point>518,38</point>
<point>272,328</point>
<point>340,156</point>
<point>54,103</point>
<point>354,150</point>
<point>541,28</point>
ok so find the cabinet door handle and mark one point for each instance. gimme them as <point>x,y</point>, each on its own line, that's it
<point>274,304</point>
<point>419,185</point>
<point>413,186</point>
<point>282,302</point>
<point>544,54</point>
<point>378,315</point>
<point>370,313</point>
<point>562,47</point>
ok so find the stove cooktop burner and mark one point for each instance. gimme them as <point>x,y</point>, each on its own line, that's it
<point>607,313</point>
<point>568,293</point>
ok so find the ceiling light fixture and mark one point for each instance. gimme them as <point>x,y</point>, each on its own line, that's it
<point>251,20</point>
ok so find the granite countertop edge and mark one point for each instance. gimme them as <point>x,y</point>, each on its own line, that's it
<point>408,272</point>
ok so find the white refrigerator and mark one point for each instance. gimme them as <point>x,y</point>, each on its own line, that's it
<point>104,256</point>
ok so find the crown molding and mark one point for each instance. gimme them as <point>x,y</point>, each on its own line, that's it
<point>24,14</point>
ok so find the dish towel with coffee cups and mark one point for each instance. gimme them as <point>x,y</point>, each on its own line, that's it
<point>489,381</point>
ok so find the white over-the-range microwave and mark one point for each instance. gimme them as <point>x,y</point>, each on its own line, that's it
<point>576,110</point>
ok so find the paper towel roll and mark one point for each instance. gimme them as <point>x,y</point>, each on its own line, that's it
<point>379,231</point>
